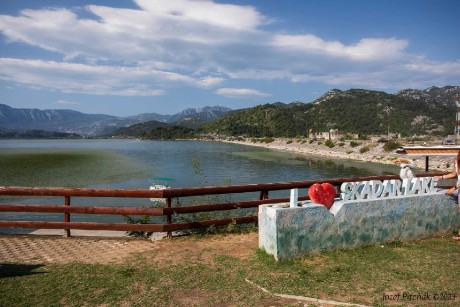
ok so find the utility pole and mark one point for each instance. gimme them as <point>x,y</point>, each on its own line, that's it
<point>457,119</point>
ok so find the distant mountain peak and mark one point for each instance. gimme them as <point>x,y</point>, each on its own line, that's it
<point>70,121</point>
<point>205,113</point>
<point>433,93</point>
<point>206,109</point>
<point>328,95</point>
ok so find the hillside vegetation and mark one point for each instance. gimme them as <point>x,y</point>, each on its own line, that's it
<point>157,131</point>
<point>36,134</point>
<point>366,112</point>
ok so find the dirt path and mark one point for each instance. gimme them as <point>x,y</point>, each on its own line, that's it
<point>59,250</point>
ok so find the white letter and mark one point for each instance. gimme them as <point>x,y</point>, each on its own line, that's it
<point>396,191</point>
<point>387,189</point>
<point>376,188</point>
<point>357,188</point>
<point>406,186</point>
<point>366,192</point>
<point>434,182</point>
<point>416,187</point>
<point>346,189</point>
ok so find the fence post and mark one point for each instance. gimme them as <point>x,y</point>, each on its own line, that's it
<point>168,216</point>
<point>67,216</point>
<point>263,195</point>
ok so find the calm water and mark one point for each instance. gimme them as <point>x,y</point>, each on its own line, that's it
<point>219,163</point>
<point>195,163</point>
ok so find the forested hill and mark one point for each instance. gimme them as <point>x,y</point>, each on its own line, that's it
<point>157,131</point>
<point>409,112</point>
<point>36,134</point>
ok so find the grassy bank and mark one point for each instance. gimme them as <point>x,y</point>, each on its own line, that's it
<point>179,273</point>
<point>64,168</point>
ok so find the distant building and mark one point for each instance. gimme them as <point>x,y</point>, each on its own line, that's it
<point>332,134</point>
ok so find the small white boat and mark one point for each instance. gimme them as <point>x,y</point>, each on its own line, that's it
<point>160,183</point>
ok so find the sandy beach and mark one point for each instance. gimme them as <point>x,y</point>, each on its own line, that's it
<point>343,150</point>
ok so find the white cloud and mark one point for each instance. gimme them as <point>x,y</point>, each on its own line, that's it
<point>375,49</point>
<point>366,49</point>
<point>96,80</point>
<point>207,12</point>
<point>240,93</point>
<point>164,44</point>
<point>419,73</point>
<point>433,67</point>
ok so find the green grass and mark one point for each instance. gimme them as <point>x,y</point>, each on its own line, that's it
<point>64,168</point>
<point>360,276</point>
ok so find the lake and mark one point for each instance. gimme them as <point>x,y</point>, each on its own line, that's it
<point>190,163</point>
<point>129,164</point>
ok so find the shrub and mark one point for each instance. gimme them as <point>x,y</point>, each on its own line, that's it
<point>349,152</point>
<point>364,149</point>
<point>354,144</point>
<point>329,143</point>
<point>145,219</point>
<point>346,137</point>
<point>289,142</point>
<point>267,140</point>
<point>391,145</point>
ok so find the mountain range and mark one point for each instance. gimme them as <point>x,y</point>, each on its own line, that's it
<point>70,121</point>
<point>410,112</point>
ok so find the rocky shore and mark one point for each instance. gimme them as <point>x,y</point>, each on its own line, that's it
<point>359,150</point>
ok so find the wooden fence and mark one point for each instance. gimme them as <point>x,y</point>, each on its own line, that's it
<point>168,211</point>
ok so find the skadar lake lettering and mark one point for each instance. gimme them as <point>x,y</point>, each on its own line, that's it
<point>388,188</point>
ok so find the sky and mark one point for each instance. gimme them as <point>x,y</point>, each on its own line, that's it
<point>126,57</point>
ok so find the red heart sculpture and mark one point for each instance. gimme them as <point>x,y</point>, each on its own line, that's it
<point>323,194</point>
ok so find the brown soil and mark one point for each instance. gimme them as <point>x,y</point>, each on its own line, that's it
<point>203,250</point>
<point>59,250</point>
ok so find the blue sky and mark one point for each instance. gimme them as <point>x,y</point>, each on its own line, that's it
<point>129,57</point>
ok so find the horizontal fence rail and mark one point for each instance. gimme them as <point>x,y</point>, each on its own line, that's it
<point>168,211</point>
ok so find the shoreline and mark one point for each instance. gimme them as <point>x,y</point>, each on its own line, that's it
<point>375,154</point>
